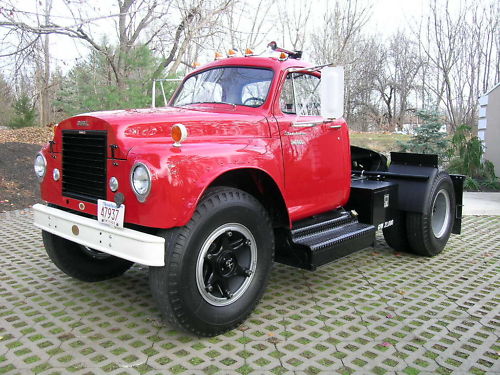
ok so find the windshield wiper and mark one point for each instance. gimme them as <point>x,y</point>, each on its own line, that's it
<point>231,104</point>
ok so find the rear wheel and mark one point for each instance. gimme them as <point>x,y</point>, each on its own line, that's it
<point>428,232</point>
<point>396,235</point>
<point>217,266</point>
<point>81,262</point>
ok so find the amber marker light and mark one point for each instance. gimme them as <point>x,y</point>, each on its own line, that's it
<point>179,134</point>
<point>218,56</point>
<point>248,52</point>
<point>283,56</point>
<point>231,53</point>
<point>196,64</point>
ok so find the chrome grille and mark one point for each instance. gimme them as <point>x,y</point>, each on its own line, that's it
<point>84,164</point>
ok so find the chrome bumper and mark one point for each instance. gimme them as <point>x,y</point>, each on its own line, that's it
<point>124,243</point>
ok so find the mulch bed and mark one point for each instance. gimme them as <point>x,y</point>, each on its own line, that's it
<point>19,186</point>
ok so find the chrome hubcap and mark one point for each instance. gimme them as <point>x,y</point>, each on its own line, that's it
<point>441,213</point>
<point>226,264</point>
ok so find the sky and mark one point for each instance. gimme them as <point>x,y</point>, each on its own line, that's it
<point>391,15</point>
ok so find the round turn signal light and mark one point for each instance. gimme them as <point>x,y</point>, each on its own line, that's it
<point>179,134</point>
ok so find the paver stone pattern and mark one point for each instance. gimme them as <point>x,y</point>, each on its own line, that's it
<point>373,312</point>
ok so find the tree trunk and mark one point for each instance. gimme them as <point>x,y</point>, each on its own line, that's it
<point>44,117</point>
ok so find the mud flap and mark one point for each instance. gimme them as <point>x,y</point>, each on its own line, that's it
<point>458,186</point>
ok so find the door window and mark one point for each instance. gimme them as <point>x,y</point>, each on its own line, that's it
<point>300,95</point>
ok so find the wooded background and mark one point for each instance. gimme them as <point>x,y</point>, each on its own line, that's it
<point>440,62</point>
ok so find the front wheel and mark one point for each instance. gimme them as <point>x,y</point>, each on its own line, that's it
<point>81,262</point>
<point>217,266</point>
<point>429,231</point>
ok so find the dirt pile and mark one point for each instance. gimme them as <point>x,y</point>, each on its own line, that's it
<point>18,184</point>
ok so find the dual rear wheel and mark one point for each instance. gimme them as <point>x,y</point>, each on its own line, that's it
<point>426,233</point>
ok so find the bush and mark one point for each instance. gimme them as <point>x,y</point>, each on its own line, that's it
<point>428,138</point>
<point>25,113</point>
<point>466,157</point>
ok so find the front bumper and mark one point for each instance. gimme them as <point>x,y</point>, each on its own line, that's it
<point>124,243</point>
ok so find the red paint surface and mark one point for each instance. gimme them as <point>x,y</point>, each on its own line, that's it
<point>313,177</point>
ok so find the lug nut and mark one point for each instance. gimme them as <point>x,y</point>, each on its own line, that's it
<point>248,242</point>
<point>229,294</point>
<point>229,234</point>
<point>209,288</point>
<point>247,272</point>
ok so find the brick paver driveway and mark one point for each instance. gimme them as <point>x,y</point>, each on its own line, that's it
<point>376,311</point>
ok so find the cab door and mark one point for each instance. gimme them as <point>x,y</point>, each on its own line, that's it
<point>314,153</point>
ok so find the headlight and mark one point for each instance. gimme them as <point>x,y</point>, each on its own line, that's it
<point>140,179</point>
<point>40,166</point>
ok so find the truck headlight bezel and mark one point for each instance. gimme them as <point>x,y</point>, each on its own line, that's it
<point>140,180</point>
<point>40,166</point>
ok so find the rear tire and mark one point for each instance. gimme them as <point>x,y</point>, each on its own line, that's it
<point>428,232</point>
<point>396,235</point>
<point>83,263</point>
<point>217,266</point>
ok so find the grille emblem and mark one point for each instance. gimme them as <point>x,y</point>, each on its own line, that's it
<point>81,206</point>
<point>82,123</point>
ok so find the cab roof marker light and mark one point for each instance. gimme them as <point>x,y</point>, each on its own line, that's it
<point>283,56</point>
<point>218,56</point>
<point>248,52</point>
<point>231,53</point>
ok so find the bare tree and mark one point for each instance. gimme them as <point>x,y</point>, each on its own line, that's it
<point>168,28</point>
<point>44,69</point>
<point>461,55</point>
<point>245,24</point>
<point>396,77</point>
<point>294,21</point>
<point>340,39</point>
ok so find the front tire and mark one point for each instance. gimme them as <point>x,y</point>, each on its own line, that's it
<point>83,263</point>
<point>428,232</point>
<point>217,266</point>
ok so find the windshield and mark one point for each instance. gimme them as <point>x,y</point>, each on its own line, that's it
<point>228,85</point>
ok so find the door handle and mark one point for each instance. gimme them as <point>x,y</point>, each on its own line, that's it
<point>294,133</point>
<point>335,126</point>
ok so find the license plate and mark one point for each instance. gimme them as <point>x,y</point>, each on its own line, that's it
<point>109,214</point>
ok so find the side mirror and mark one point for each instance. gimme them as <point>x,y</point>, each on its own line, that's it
<point>331,90</point>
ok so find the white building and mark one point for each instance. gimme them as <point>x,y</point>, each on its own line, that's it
<point>488,127</point>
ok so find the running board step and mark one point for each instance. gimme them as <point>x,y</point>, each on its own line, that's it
<point>316,241</point>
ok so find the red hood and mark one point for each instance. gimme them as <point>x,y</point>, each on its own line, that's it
<point>127,128</point>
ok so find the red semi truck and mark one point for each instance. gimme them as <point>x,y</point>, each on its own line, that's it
<point>249,163</point>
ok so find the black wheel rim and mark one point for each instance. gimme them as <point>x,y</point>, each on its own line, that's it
<point>226,264</point>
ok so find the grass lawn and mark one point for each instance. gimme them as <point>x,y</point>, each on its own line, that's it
<point>382,142</point>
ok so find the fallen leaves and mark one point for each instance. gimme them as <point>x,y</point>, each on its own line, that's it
<point>34,135</point>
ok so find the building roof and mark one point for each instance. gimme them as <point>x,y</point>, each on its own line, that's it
<point>490,90</point>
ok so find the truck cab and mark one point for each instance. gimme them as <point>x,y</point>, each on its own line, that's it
<point>244,166</point>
